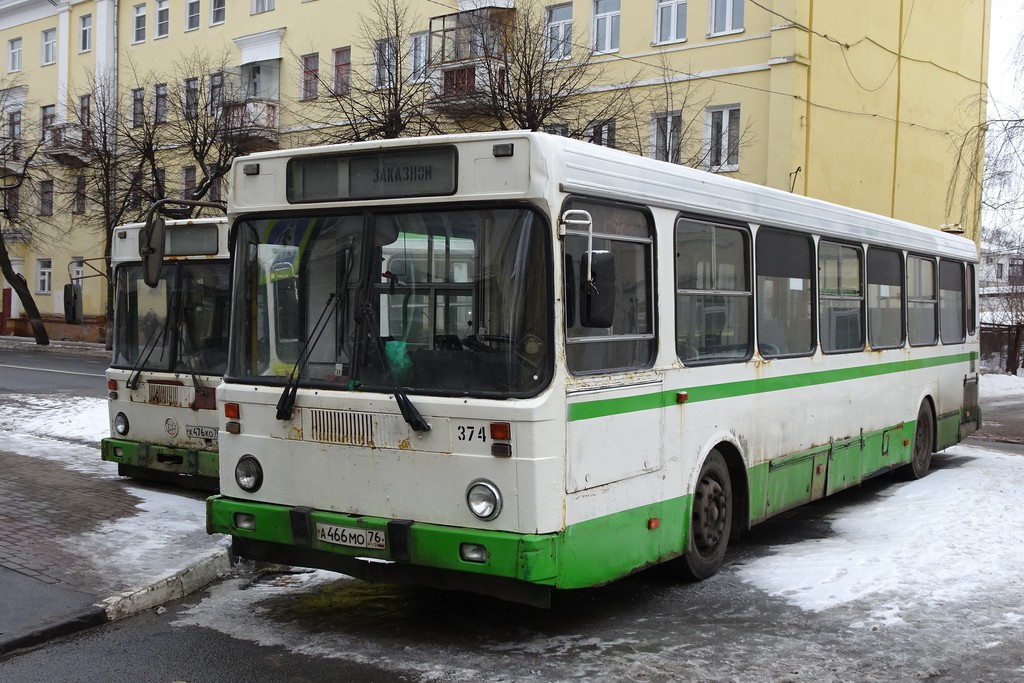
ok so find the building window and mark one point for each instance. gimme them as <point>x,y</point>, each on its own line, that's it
<point>260,6</point>
<point>560,129</point>
<point>77,269</point>
<point>603,133</point>
<point>85,118</point>
<point>14,124</point>
<point>44,276</point>
<point>606,25</point>
<point>45,197</point>
<point>310,76</point>
<point>671,20</point>
<point>419,49</point>
<point>342,70</point>
<point>14,54</point>
<point>723,138</point>
<point>85,33</point>
<point>163,18</point>
<point>78,197</point>
<point>666,132</point>
<point>217,11</point>
<point>47,118</point>
<point>160,103</point>
<point>385,63</point>
<point>216,94</point>
<point>559,31</point>
<point>191,15</point>
<point>13,198</point>
<point>139,22</point>
<point>726,16</point>
<point>138,107</point>
<point>191,100</point>
<point>49,55</point>
<point>188,182</point>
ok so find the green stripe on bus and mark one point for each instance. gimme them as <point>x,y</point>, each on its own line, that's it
<point>711,392</point>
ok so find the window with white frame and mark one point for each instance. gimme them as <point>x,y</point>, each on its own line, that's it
<point>14,54</point>
<point>603,133</point>
<point>85,33</point>
<point>138,107</point>
<point>670,18</point>
<point>47,119</point>
<point>217,11</point>
<point>46,198</point>
<point>726,16</point>
<point>191,15</point>
<point>160,103</point>
<point>163,18</point>
<point>666,134</point>
<point>44,274</point>
<point>606,25</point>
<point>342,70</point>
<point>77,269</point>
<point>260,6</point>
<point>14,124</point>
<point>419,46</point>
<point>49,55</point>
<point>559,31</point>
<point>139,24</point>
<point>723,138</point>
<point>385,63</point>
<point>216,94</point>
<point>310,76</point>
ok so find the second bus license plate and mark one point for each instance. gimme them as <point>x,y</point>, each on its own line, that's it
<point>353,537</point>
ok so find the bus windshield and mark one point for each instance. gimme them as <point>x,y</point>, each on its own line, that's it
<point>178,326</point>
<point>441,301</point>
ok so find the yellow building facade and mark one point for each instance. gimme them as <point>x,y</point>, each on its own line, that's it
<point>866,104</point>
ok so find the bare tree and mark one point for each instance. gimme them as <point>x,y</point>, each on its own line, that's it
<point>1002,296</point>
<point>387,95</point>
<point>16,157</point>
<point>509,69</point>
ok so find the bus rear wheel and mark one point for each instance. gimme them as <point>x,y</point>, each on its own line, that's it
<point>710,520</point>
<point>924,437</point>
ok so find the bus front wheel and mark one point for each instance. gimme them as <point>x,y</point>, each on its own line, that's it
<point>924,437</point>
<point>710,520</point>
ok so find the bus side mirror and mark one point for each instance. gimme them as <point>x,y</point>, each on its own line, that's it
<point>151,249</point>
<point>73,304</point>
<point>597,301</point>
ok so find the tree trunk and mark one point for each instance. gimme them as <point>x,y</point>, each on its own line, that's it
<point>21,287</point>
<point>1013,336</point>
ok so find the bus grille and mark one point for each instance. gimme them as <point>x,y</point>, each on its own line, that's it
<point>170,395</point>
<point>342,427</point>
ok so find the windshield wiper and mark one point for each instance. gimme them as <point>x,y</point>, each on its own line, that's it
<point>286,404</point>
<point>147,351</point>
<point>409,412</point>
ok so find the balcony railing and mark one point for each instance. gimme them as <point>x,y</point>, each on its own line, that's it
<point>253,122</point>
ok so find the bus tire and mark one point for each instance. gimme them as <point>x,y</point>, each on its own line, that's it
<point>924,438</point>
<point>711,513</point>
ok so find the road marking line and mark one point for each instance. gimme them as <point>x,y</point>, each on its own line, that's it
<point>62,372</point>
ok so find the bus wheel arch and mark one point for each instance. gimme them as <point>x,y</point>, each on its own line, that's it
<point>714,510</point>
<point>923,444</point>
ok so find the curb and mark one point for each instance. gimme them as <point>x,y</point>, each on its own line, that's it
<point>199,574</point>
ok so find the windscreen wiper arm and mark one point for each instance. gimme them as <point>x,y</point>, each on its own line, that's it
<point>286,404</point>
<point>147,351</point>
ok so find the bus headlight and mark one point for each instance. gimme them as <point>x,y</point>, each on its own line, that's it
<point>121,424</point>
<point>248,473</point>
<point>483,499</point>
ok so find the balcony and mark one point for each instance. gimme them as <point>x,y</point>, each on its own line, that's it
<point>68,144</point>
<point>12,158</point>
<point>253,124</point>
<point>465,57</point>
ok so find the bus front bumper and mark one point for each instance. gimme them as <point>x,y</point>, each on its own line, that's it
<point>412,552</point>
<point>155,458</point>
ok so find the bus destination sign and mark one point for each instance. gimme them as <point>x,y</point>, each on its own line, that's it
<point>379,175</point>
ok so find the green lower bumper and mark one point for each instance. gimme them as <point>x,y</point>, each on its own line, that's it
<point>200,463</point>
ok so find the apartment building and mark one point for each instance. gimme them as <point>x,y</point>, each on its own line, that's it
<point>866,104</point>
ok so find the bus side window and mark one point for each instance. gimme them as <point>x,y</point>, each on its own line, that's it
<point>922,328</point>
<point>885,298</point>
<point>840,297</point>
<point>597,289</point>
<point>785,281</point>
<point>951,302</point>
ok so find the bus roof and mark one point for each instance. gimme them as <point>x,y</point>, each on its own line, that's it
<point>585,168</point>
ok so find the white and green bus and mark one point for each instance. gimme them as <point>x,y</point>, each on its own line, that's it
<point>170,351</point>
<point>527,363</point>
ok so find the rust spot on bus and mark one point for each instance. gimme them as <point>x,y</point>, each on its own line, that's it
<point>296,433</point>
<point>404,445</point>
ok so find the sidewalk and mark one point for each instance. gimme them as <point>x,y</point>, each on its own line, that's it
<point>80,546</point>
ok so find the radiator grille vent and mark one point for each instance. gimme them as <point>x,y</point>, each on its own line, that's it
<point>170,395</point>
<point>341,427</point>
